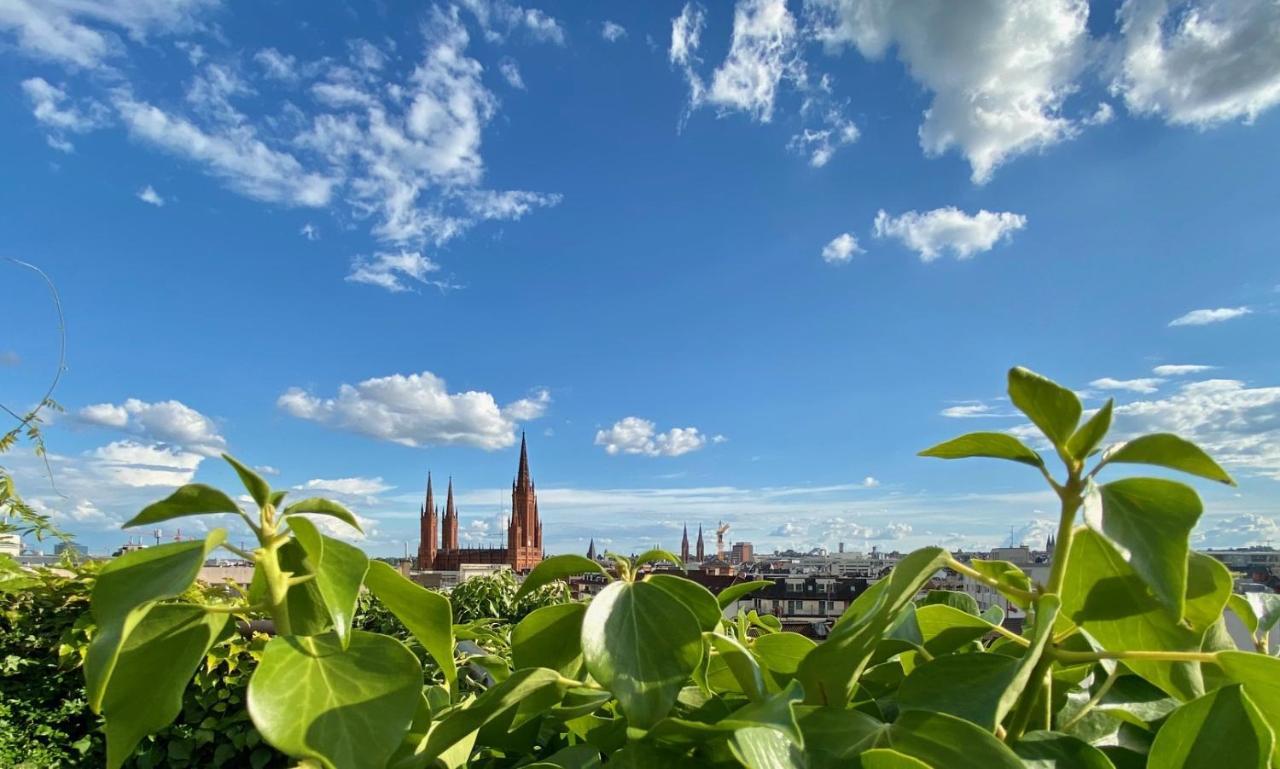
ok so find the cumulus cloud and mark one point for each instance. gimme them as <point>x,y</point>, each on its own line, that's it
<point>276,65</point>
<point>499,19</point>
<point>999,70</point>
<point>170,422</point>
<point>1142,385</point>
<point>1244,530</point>
<point>392,270</point>
<point>85,33</point>
<point>931,233</point>
<point>972,410</point>
<point>55,110</point>
<point>612,31</point>
<point>1180,369</point>
<point>1207,316</point>
<point>135,464</point>
<point>416,410</point>
<point>511,73</point>
<point>149,195</point>
<point>633,435</point>
<point>1200,62</point>
<point>841,249</point>
<point>1034,533</point>
<point>870,483</point>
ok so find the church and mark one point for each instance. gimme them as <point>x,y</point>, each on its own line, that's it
<point>438,548</point>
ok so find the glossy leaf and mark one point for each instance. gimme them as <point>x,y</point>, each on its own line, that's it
<point>657,556</point>
<point>887,758</point>
<point>759,747</point>
<point>277,497</point>
<point>457,725</point>
<point>425,613</point>
<point>941,741</point>
<point>320,506</point>
<point>968,686</point>
<point>953,598</point>
<point>1220,729</point>
<point>153,668</point>
<point>345,709</point>
<point>192,499</point>
<point>1052,750</point>
<point>339,571</point>
<point>835,737</point>
<point>1266,607</point>
<point>1152,519</point>
<point>1009,576</point>
<point>782,652</point>
<point>253,483</point>
<point>550,637</point>
<point>641,644</point>
<point>744,667</point>
<point>1245,611</point>
<point>736,592</point>
<point>1168,450</point>
<point>992,445</point>
<point>1086,440</point>
<point>944,629</point>
<point>1260,675</point>
<point>558,567</point>
<point>695,597</point>
<point>1050,406</point>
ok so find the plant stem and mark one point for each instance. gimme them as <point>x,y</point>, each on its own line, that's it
<point>1027,702</point>
<point>1012,636</point>
<point>1093,701</point>
<point>1071,501</point>
<point>1160,656</point>
<point>974,574</point>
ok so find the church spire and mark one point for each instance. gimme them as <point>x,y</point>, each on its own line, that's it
<point>702,553</point>
<point>522,476</point>
<point>684,545</point>
<point>450,521</point>
<point>591,549</point>
<point>431,501</point>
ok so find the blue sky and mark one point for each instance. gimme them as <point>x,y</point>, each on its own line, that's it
<point>723,261</point>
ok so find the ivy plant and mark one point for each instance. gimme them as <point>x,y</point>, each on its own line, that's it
<point>1124,659</point>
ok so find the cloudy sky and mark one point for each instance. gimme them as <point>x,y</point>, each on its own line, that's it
<point>720,262</point>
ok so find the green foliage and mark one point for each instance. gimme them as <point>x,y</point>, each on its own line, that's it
<point>1123,660</point>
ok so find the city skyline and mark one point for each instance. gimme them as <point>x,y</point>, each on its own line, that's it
<point>719,262</point>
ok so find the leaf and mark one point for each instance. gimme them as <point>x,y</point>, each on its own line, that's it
<point>659,556</point>
<point>1009,576</point>
<point>192,499</point>
<point>320,506</point>
<point>425,613</point>
<point>1168,450</point>
<point>1243,609</point>
<point>641,644</point>
<point>345,709</point>
<point>154,667</point>
<point>277,497</point>
<point>558,567</point>
<point>1152,519</point>
<point>497,701</point>
<point>734,592</point>
<point>782,652</point>
<point>744,667</point>
<point>339,571</point>
<point>992,445</point>
<point>955,599</point>
<point>1260,675</point>
<point>695,597</point>
<point>944,629</point>
<point>887,758</point>
<point>124,591</point>
<point>759,747</point>
<point>1266,607</point>
<point>1222,728</point>
<point>835,737</point>
<point>1086,440</point>
<point>550,637</point>
<point>1050,406</point>
<point>1052,750</point>
<point>253,483</point>
<point>948,743</point>
<point>830,671</point>
<point>968,686</point>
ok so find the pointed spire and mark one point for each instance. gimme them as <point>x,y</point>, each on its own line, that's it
<point>431,501</point>
<point>448,505</point>
<point>522,477</point>
<point>591,549</point>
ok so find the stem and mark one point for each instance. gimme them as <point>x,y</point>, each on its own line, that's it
<point>1071,501</point>
<point>1159,656</point>
<point>1027,702</point>
<point>243,608</point>
<point>1093,701</point>
<point>974,574</point>
<point>277,585</point>
<point>1012,636</point>
<point>245,554</point>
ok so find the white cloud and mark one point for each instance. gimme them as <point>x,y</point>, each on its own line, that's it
<point>1200,62</point>
<point>170,422</point>
<point>267,470</point>
<point>390,270</point>
<point>821,143</point>
<point>499,18</point>
<point>948,229</point>
<point>1180,369</point>
<point>1205,317</point>
<point>511,72</point>
<point>53,109</point>
<point>633,435</point>
<point>416,410</point>
<point>1143,385</point>
<point>999,70</point>
<point>148,194</point>
<point>276,65</point>
<point>1244,530</point>
<point>83,33</point>
<point>351,487</point>
<point>1033,534</point>
<point>309,231</point>
<point>612,31</point>
<point>135,464</point>
<point>841,249</point>
<point>686,38</point>
<point>969,411</point>
<point>870,483</point>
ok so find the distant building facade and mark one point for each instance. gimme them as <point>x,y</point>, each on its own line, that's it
<point>742,552</point>
<point>440,550</point>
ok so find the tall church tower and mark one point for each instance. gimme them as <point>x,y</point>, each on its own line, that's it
<point>450,522</point>
<point>427,531</point>
<point>702,553</point>
<point>684,545</point>
<point>524,532</point>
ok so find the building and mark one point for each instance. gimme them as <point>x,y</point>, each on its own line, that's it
<point>742,552</point>
<point>74,550</point>
<point>440,550</point>
<point>10,544</point>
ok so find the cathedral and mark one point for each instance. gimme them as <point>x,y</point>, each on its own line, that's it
<point>438,548</point>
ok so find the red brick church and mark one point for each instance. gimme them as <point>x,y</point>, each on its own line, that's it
<point>524,532</point>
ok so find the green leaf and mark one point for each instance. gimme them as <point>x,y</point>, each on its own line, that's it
<point>320,506</point>
<point>759,747</point>
<point>955,599</point>
<point>497,701</point>
<point>550,637</point>
<point>1087,439</point>
<point>1245,611</point>
<point>734,592</point>
<point>425,613</point>
<point>339,571</point>
<point>1260,675</point>
<point>345,709</point>
<point>659,556</point>
<point>277,497</point>
<point>1052,750</point>
<point>153,668</point>
<point>782,652</point>
<point>695,597</point>
<point>1266,607</point>
<point>1009,576</point>
<point>124,591</point>
<point>835,737</point>
<point>968,686</point>
<point>944,629</point>
<point>992,445</point>
<point>1222,728</point>
<point>947,742</point>
<point>641,644</point>
<point>887,758</point>
<point>192,499</point>
<point>829,672</point>
<point>558,567</point>
<point>253,483</point>
<point>1152,519</point>
<point>1168,450</point>
<point>744,667</point>
<point>1050,406</point>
